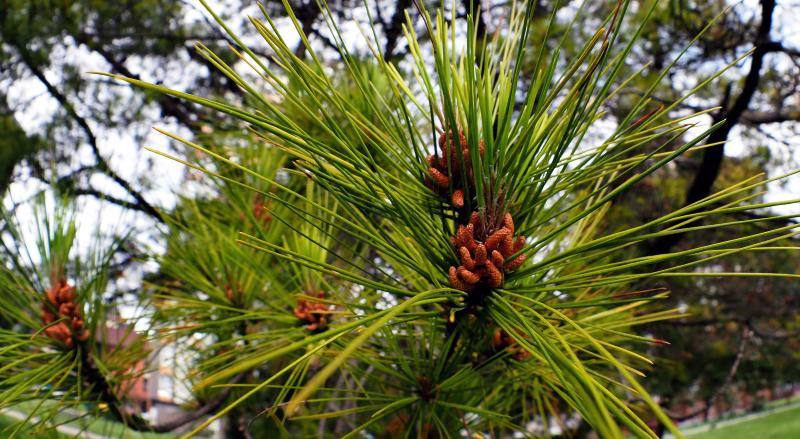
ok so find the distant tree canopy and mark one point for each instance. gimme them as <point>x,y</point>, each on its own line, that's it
<point>48,44</point>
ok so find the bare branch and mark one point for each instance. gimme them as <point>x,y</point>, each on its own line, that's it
<point>108,198</point>
<point>102,164</point>
<point>394,29</point>
<point>777,46</point>
<point>712,400</point>
<point>777,116</point>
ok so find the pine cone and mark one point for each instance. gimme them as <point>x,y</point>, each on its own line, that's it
<point>60,306</point>
<point>485,264</point>
<point>314,314</point>
<point>450,174</point>
<point>502,340</point>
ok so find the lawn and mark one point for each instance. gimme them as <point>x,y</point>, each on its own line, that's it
<point>7,424</point>
<point>98,426</point>
<point>780,425</point>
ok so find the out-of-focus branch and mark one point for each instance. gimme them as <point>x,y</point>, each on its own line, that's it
<point>170,106</point>
<point>151,36</point>
<point>746,334</point>
<point>712,157</point>
<point>108,198</point>
<point>782,335</point>
<point>102,164</point>
<point>306,15</point>
<point>777,46</point>
<point>777,116</point>
<point>207,408</point>
<point>394,29</point>
<point>711,400</point>
<point>327,41</point>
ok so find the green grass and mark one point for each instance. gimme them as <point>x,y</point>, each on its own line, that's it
<point>780,425</point>
<point>10,423</point>
<point>100,426</point>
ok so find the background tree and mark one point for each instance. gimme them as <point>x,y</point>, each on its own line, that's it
<point>758,106</point>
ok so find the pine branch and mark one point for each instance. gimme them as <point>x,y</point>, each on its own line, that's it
<point>101,387</point>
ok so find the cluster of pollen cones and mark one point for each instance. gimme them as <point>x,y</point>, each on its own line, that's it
<point>484,262</point>
<point>314,314</point>
<point>446,171</point>
<point>62,315</point>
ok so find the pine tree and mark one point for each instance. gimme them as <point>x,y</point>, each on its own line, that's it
<point>405,252</point>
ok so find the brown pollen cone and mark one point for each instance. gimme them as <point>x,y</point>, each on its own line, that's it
<point>260,211</point>
<point>502,340</point>
<point>62,316</point>
<point>314,314</point>
<point>234,292</point>
<point>484,263</point>
<point>445,171</point>
<point>397,426</point>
